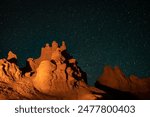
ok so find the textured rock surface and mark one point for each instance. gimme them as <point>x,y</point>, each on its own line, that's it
<point>115,79</point>
<point>9,72</point>
<point>11,55</point>
<point>54,75</point>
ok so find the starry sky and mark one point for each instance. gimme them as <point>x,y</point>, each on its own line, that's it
<point>97,32</point>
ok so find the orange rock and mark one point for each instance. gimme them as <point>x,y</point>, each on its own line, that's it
<point>54,45</point>
<point>51,76</point>
<point>63,46</point>
<point>11,55</point>
<point>115,79</point>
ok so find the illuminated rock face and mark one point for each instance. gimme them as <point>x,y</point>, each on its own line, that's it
<point>43,79</point>
<point>60,76</point>
<point>9,72</point>
<point>54,75</point>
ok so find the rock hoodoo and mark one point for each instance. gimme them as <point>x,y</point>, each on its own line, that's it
<point>54,75</point>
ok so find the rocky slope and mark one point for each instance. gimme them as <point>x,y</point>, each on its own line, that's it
<point>54,75</point>
<point>114,82</point>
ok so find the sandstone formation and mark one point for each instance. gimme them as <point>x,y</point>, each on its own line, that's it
<point>116,79</point>
<point>54,75</point>
<point>11,55</point>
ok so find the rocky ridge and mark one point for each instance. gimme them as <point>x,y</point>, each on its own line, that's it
<point>54,75</point>
<point>114,78</point>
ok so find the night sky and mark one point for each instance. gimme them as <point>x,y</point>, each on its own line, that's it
<point>97,32</point>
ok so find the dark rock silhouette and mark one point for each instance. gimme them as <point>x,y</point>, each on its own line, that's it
<point>115,83</point>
